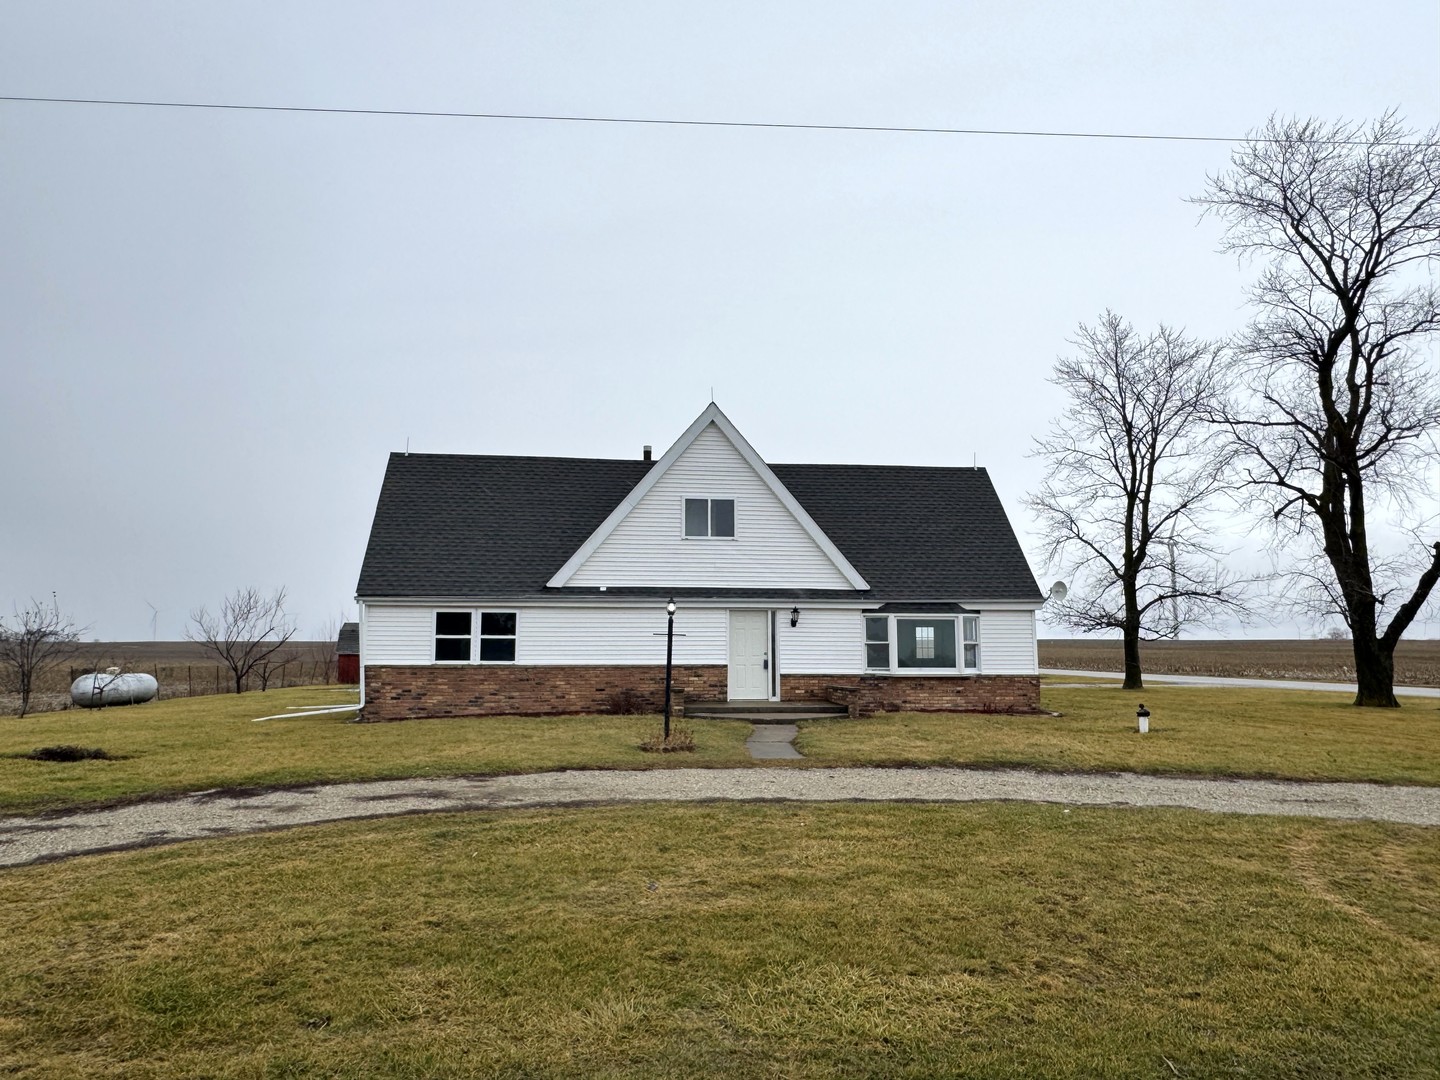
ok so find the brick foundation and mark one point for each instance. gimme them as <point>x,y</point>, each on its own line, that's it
<point>402,693</point>
<point>406,693</point>
<point>866,695</point>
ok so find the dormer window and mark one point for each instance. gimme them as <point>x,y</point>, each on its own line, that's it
<point>706,518</point>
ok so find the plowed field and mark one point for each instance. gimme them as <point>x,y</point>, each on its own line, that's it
<point>1417,663</point>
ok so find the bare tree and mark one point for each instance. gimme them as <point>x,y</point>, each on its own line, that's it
<point>1122,509</point>
<point>1338,407</point>
<point>37,640</point>
<point>250,629</point>
<point>275,666</point>
<point>328,647</point>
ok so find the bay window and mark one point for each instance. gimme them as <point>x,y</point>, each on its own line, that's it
<point>904,644</point>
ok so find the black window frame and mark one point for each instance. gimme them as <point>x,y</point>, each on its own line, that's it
<point>483,636</point>
<point>486,636</point>
<point>468,637</point>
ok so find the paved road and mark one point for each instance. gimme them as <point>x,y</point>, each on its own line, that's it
<point>211,814</point>
<point>1259,684</point>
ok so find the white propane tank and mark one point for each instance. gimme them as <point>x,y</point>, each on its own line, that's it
<point>110,687</point>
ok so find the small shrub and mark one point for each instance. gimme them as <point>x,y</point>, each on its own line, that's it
<point>681,739</point>
<point>67,753</point>
<point>625,703</point>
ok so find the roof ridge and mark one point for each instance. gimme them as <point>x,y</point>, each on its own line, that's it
<point>871,465</point>
<point>516,457</point>
<point>642,461</point>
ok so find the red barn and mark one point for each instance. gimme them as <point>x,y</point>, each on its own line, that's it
<point>347,653</point>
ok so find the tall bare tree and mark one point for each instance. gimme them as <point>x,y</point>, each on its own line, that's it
<point>249,630</point>
<point>35,641</point>
<point>1130,482</point>
<point>1338,406</point>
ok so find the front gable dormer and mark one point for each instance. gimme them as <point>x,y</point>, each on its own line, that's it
<point>710,514</point>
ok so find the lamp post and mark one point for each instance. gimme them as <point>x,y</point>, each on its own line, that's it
<point>669,658</point>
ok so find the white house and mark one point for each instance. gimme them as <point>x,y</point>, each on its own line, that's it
<point>528,585</point>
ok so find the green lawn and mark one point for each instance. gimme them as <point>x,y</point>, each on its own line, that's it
<point>1206,731</point>
<point>193,744</point>
<point>761,940</point>
<point>199,743</point>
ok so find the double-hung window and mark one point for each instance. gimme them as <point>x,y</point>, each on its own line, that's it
<point>706,518</point>
<point>455,637</point>
<point>497,637</point>
<point>877,643</point>
<point>452,636</point>
<point>902,644</point>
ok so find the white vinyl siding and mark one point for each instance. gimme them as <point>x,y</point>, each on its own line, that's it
<point>557,635</point>
<point>770,550</point>
<point>832,642</point>
<point>561,635</point>
<point>398,635</point>
<point>827,642</point>
<point>1007,643</point>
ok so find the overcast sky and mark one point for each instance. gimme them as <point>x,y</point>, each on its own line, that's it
<point>215,325</point>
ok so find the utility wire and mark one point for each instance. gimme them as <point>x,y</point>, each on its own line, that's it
<point>1014,132</point>
<point>633,120</point>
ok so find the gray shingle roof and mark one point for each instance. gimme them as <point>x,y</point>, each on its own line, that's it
<point>348,641</point>
<point>451,525</point>
<point>915,532</point>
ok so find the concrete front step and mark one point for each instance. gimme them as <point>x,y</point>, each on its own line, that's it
<point>762,718</point>
<point>763,712</point>
<point>746,706</point>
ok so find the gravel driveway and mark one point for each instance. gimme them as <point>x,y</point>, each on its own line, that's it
<point>210,814</point>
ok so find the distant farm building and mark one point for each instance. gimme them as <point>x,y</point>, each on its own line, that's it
<point>347,653</point>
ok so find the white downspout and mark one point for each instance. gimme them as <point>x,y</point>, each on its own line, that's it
<point>361,604</point>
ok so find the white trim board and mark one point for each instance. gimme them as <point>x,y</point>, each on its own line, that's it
<point>711,415</point>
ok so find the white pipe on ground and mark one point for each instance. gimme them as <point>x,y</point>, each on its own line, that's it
<point>313,712</point>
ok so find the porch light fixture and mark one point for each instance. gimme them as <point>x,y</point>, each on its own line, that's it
<point>794,616</point>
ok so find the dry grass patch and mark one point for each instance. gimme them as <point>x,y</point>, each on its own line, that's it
<point>1205,731</point>
<point>765,940</point>
<point>192,744</point>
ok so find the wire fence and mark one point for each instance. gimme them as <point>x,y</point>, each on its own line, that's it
<point>199,680</point>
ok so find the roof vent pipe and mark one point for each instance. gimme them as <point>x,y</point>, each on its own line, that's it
<point>645,453</point>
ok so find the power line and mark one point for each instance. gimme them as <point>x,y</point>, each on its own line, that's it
<point>632,120</point>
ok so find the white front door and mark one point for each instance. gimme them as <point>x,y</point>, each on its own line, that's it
<point>749,654</point>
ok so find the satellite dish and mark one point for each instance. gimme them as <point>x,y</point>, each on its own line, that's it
<point>1058,592</point>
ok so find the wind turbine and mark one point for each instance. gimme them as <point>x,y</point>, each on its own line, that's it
<point>154,618</point>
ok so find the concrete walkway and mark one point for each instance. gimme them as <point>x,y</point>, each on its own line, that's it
<point>212,814</point>
<point>1255,684</point>
<point>773,742</point>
